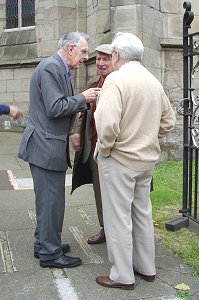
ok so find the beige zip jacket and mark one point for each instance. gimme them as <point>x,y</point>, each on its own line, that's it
<point>132,113</point>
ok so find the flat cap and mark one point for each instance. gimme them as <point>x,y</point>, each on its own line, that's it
<point>104,48</point>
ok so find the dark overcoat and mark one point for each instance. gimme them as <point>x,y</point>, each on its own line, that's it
<point>82,173</point>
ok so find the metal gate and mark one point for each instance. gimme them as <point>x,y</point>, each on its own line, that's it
<point>190,111</point>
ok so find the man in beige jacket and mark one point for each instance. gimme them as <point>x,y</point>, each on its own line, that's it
<point>132,113</point>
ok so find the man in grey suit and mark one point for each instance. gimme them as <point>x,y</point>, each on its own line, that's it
<point>53,108</point>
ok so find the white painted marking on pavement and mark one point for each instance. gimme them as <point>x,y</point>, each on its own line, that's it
<point>6,253</point>
<point>64,287</point>
<point>68,180</point>
<point>27,183</point>
<point>170,298</point>
<point>32,215</point>
<point>94,257</point>
<point>12,179</point>
<point>84,216</point>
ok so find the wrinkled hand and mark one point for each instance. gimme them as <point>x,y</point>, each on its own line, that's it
<point>15,113</point>
<point>75,140</point>
<point>91,94</point>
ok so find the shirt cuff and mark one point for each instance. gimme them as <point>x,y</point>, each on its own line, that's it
<point>4,109</point>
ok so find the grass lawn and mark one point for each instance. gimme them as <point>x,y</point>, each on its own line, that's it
<point>167,200</point>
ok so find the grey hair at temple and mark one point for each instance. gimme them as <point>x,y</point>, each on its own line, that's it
<point>128,46</point>
<point>71,38</point>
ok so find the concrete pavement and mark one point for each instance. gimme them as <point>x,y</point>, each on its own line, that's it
<point>21,277</point>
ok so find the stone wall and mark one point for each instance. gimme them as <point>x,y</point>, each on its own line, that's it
<point>99,29</point>
<point>158,23</point>
<point>18,57</point>
<point>22,50</point>
<point>172,59</point>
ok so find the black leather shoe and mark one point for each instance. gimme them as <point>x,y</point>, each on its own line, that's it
<point>65,248</point>
<point>61,262</point>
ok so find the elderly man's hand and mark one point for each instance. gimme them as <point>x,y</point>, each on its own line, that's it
<point>15,113</point>
<point>91,94</point>
<point>75,140</point>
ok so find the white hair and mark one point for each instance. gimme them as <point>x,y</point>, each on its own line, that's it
<point>128,45</point>
<point>71,38</point>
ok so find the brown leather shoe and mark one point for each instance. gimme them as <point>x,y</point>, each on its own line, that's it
<point>149,278</point>
<point>107,282</point>
<point>98,238</point>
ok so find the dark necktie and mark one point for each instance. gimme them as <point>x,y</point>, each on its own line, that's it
<point>69,75</point>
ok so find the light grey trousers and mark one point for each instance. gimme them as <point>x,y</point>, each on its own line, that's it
<point>128,224</point>
<point>49,187</point>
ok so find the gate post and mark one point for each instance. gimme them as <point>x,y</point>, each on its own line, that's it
<point>187,20</point>
<point>189,108</point>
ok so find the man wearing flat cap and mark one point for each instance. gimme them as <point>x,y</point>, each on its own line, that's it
<point>85,170</point>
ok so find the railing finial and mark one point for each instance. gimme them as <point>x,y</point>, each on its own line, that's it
<point>188,15</point>
<point>187,5</point>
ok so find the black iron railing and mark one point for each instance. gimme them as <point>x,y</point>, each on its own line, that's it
<point>190,112</point>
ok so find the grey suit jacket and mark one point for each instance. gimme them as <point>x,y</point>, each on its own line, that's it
<point>52,113</point>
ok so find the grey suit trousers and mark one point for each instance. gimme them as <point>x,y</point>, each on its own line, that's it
<point>128,220</point>
<point>49,187</point>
